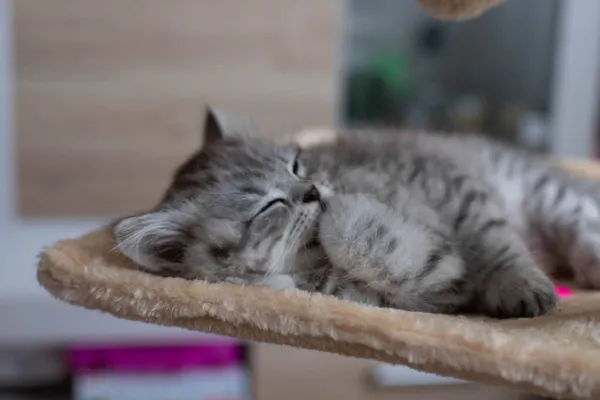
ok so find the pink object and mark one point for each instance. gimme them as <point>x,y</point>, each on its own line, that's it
<point>169,358</point>
<point>563,291</point>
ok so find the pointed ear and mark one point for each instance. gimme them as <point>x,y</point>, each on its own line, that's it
<point>219,125</point>
<point>213,130</point>
<point>154,241</point>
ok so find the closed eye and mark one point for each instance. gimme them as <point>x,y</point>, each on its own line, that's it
<point>296,170</point>
<point>270,204</point>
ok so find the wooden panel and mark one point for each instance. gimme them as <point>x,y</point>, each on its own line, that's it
<point>110,93</point>
<point>293,374</point>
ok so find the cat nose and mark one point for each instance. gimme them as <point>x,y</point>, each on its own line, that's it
<point>311,195</point>
<point>304,192</point>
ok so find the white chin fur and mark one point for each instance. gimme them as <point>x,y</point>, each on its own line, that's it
<point>279,281</point>
<point>284,254</point>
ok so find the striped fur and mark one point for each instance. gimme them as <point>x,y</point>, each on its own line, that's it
<point>412,221</point>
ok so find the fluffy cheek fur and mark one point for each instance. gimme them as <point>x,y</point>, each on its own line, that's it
<point>155,241</point>
<point>273,246</point>
<point>177,243</point>
<point>262,253</point>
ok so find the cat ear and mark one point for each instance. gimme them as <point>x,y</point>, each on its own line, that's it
<point>213,129</point>
<point>153,240</point>
<point>220,125</point>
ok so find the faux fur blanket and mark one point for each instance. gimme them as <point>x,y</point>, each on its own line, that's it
<point>557,355</point>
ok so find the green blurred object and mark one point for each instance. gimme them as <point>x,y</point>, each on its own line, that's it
<point>376,94</point>
<point>393,70</point>
<point>364,101</point>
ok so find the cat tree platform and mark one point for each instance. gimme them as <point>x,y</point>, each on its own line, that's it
<point>556,355</point>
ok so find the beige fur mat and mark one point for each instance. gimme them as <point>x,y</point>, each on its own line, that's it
<point>458,9</point>
<point>557,355</point>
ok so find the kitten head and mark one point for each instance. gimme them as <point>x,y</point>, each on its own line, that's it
<point>241,209</point>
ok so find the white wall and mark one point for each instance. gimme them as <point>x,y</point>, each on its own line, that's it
<point>6,162</point>
<point>576,83</point>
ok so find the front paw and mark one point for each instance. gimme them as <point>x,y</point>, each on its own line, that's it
<point>520,294</point>
<point>349,224</point>
<point>585,262</point>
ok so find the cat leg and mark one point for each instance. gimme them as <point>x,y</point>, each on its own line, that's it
<point>509,282</point>
<point>402,255</point>
<point>584,255</point>
<point>564,212</point>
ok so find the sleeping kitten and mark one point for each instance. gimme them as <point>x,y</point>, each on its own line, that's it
<point>444,224</point>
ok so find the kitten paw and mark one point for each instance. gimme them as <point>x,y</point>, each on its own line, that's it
<point>520,295</point>
<point>585,263</point>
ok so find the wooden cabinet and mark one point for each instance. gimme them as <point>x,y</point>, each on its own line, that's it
<point>110,94</point>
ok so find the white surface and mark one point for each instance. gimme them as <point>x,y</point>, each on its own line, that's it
<point>387,376</point>
<point>576,85</point>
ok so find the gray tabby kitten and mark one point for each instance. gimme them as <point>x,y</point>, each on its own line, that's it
<point>443,224</point>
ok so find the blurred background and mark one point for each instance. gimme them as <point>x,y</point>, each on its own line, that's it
<point>100,100</point>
